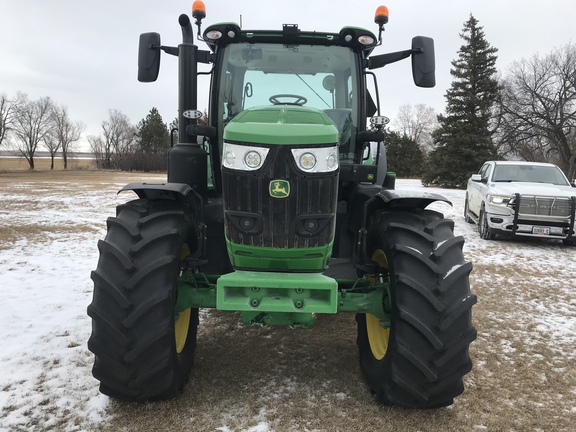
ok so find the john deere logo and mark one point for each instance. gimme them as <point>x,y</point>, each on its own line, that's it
<point>279,188</point>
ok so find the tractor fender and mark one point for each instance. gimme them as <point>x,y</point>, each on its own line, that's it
<point>365,199</point>
<point>391,198</point>
<point>406,198</point>
<point>171,191</point>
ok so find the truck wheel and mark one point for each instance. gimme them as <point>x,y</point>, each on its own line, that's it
<point>418,358</point>
<point>143,349</point>
<point>483,228</point>
<point>467,218</point>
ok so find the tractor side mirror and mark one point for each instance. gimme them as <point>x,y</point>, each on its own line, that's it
<point>202,130</point>
<point>148,57</point>
<point>423,61</point>
<point>370,136</point>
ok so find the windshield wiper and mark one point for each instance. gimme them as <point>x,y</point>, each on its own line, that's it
<point>308,85</point>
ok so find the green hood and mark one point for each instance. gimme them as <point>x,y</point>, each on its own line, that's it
<point>282,125</point>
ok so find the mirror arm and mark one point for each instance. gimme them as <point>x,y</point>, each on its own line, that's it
<point>384,59</point>
<point>168,50</point>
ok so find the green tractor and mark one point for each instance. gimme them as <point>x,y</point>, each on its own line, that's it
<point>281,208</point>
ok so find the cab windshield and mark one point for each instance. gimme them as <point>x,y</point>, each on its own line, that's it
<point>263,74</point>
<point>530,173</point>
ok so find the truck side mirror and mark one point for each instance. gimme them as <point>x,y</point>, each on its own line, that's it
<point>423,61</point>
<point>148,57</point>
<point>476,178</point>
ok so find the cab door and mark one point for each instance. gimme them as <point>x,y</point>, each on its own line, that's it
<point>477,189</point>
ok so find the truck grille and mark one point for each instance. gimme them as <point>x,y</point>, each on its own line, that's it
<point>544,206</point>
<point>310,194</point>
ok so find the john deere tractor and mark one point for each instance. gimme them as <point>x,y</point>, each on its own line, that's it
<point>280,209</point>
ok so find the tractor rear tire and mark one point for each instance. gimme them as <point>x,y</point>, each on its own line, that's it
<point>143,349</point>
<point>419,358</point>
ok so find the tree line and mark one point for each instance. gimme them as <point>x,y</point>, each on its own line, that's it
<point>27,126</point>
<point>529,114</point>
<point>127,147</point>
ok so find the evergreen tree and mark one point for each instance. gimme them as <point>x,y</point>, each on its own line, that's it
<point>153,133</point>
<point>464,139</point>
<point>404,155</point>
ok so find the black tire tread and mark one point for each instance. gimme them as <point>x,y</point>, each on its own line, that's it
<point>431,325</point>
<point>132,309</point>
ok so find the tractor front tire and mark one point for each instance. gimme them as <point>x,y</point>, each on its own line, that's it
<point>143,349</point>
<point>418,358</point>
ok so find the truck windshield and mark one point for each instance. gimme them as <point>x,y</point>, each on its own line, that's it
<point>264,74</point>
<point>529,173</point>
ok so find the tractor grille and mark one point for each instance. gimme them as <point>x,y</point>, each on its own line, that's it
<point>310,194</point>
<point>544,206</point>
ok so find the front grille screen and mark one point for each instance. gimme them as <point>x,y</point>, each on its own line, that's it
<point>544,206</point>
<point>309,194</point>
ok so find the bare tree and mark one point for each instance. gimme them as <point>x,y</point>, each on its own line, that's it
<point>7,115</point>
<point>417,124</point>
<point>117,143</point>
<point>102,154</point>
<point>66,132</point>
<point>120,135</point>
<point>32,124</point>
<point>52,145</point>
<point>538,109</point>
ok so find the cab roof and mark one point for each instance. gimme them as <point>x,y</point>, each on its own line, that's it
<point>222,34</point>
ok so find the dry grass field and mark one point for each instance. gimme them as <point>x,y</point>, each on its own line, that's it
<point>10,164</point>
<point>269,379</point>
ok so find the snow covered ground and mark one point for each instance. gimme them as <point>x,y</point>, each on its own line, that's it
<point>50,230</point>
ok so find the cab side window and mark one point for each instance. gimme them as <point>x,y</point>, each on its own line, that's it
<point>484,171</point>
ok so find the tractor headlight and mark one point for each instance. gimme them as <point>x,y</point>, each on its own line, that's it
<point>307,161</point>
<point>243,158</point>
<point>253,159</point>
<point>315,160</point>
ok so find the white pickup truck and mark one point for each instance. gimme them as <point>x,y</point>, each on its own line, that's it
<point>512,198</point>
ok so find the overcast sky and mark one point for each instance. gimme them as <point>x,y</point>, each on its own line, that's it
<point>83,54</point>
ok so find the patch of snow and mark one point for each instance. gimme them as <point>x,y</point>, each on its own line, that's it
<point>452,270</point>
<point>414,249</point>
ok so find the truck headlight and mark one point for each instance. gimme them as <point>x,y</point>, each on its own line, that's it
<point>243,158</point>
<point>500,200</point>
<point>317,159</point>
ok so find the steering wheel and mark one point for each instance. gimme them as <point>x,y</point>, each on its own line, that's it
<point>298,100</point>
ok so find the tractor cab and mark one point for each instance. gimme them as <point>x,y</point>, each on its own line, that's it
<point>289,68</point>
<point>319,71</point>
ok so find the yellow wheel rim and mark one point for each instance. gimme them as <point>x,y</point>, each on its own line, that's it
<point>181,329</point>
<point>379,257</point>
<point>182,320</point>
<point>378,337</point>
